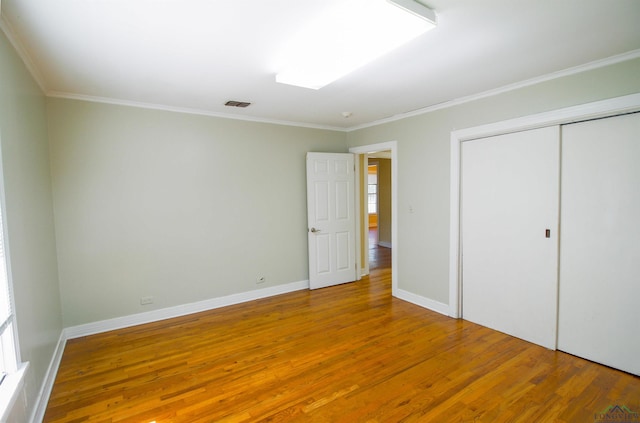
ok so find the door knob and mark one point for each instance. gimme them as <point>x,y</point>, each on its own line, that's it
<point>314,230</point>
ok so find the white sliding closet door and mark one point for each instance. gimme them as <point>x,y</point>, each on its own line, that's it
<point>509,199</point>
<point>599,317</point>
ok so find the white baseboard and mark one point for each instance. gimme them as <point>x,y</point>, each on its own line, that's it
<point>384,244</point>
<point>49,378</point>
<point>423,302</point>
<point>181,310</point>
<point>42,400</point>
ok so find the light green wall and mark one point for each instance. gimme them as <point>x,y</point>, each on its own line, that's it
<point>186,208</point>
<point>25,164</point>
<point>424,162</point>
<point>180,207</point>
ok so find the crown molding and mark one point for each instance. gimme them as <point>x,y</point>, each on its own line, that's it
<point>8,30</point>
<point>13,38</point>
<point>630,55</point>
<point>187,110</point>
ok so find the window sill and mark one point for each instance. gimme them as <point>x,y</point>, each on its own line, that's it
<point>10,389</point>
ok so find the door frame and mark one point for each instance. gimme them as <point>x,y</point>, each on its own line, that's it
<point>598,109</point>
<point>364,150</point>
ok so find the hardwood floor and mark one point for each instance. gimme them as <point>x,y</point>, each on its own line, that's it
<point>379,257</point>
<point>349,353</point>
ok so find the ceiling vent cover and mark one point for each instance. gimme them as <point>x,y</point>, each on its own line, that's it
<point>233,103</point>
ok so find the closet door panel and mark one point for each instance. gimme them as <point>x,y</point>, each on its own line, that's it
<point>509,199</point>
<point>599,297</point>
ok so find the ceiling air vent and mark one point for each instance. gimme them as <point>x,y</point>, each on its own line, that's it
<point>233,103</point>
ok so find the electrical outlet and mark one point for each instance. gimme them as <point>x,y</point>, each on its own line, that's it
<point>261,279</point>
<point>146,300</point>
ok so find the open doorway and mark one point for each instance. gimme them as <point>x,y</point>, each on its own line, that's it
<point>377,208</point>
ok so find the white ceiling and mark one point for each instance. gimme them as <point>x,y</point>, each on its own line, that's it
<point>197,54</point>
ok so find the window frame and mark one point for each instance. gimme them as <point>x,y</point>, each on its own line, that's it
<point>13,381</point>
<point>373,193</point>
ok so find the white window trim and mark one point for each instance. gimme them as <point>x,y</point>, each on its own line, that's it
<point>10,389</point>
<point>13,383</point>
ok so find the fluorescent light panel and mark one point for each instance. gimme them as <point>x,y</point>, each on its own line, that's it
<point>418,9</point>
<point>350,35</point>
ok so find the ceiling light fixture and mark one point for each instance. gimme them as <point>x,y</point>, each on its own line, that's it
<point>352,34</point>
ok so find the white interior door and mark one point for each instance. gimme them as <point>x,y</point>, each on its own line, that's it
<point>509,233</point>
<point>331,219</point>
<point>600,260</point>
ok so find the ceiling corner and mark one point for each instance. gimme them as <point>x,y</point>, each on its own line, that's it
<point>15,41</point>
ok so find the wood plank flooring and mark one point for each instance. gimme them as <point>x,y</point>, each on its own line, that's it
<point>350,353</point>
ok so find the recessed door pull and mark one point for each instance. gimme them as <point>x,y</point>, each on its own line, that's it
<point>547,233</point>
